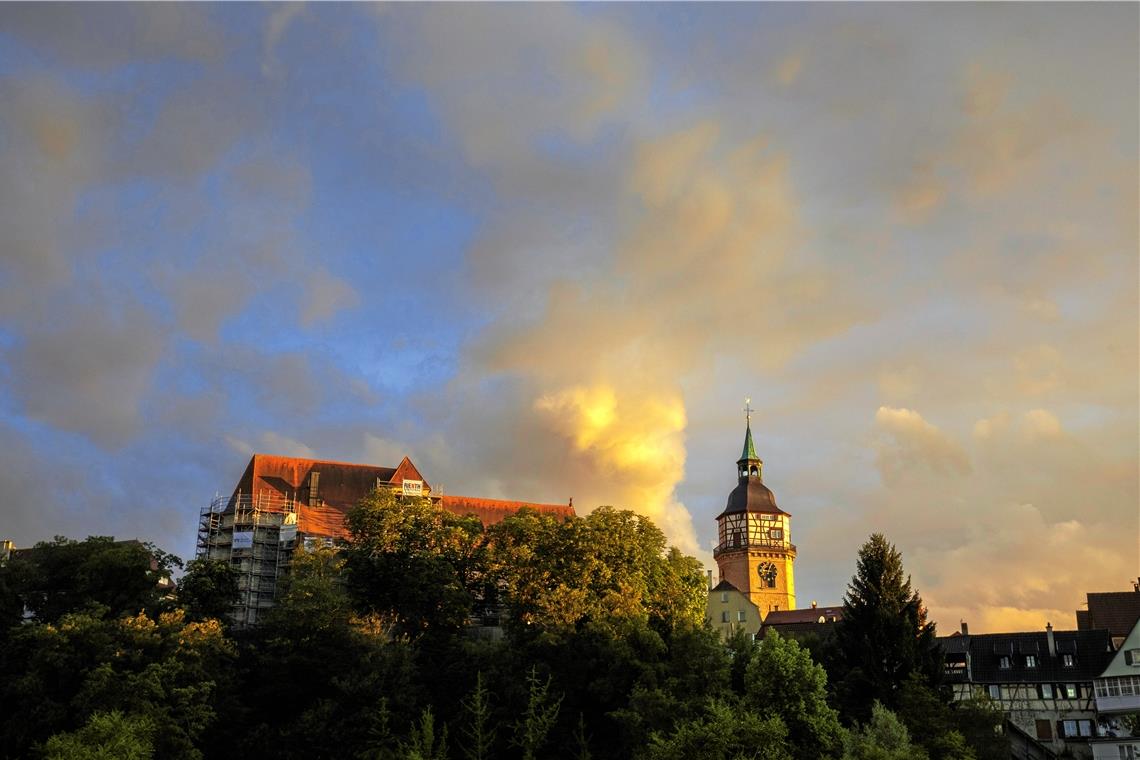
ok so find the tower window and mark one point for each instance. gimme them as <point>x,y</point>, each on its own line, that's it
<point>753,471</point>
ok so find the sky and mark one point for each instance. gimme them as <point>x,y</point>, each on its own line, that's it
<point>548,250</point>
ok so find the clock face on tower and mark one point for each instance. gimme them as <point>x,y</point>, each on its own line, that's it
<point>767,573</point>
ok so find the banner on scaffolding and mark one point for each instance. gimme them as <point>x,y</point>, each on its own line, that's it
<point>413,487</point>
<point>243,539</point>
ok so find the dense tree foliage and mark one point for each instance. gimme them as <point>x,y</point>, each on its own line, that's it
<point>368,653</point>
<point>208,589</point>
<point>884,636</point>
<point>62,575</point>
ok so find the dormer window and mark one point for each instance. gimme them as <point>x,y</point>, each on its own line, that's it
<point>1030,661</point>
<point>1004,663</point>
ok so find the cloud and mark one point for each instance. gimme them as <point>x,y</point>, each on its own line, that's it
<point>89,374</point>
<point>271,442</point>
<point>110,37</point>
<point>1017,570</point>
<point>50,151</point>
<point>325,296</point>
<point>275,28</point>
<point>789,69</point>
<point>907,442</point>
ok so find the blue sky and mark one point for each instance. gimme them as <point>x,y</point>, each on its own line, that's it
<point>548,250</point>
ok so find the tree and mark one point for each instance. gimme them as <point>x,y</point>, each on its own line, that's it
<point>105,736</point>
<point>63,575</point>
<point>884,737</point>
<point>533,726</point>
<point>478,731</point>
<point>884,636</point>
<point>610,568</point>
<point>410,560</point>
<point>932,721</point>
<point>723,732</point>
<point>54,677</point>
<point>312,599</point>
<point>209,589</point>
<point>782,681</point>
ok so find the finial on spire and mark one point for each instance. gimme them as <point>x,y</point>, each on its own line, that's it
<point>748,410</point>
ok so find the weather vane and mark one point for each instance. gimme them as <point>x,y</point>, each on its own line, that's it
<point>748,410</point>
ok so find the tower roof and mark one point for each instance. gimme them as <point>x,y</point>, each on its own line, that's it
<point>749,451</point>
<point>750,495</point>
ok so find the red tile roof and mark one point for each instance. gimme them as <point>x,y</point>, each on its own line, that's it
<point>275,481</point>
<point>809,615</point>
<point>491,511</point>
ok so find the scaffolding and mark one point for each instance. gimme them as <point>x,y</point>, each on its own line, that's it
<point>255,535</point>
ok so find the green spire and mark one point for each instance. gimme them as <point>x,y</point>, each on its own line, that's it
<point>749,448</point>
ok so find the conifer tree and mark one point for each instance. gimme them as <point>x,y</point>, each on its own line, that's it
<point>478,733</point>
<point>884,636</point>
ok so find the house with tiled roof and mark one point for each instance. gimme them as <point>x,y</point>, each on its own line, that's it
<point>282,503</point>
<point>730,610</point>
<point>1118,695</point>
<point>1114,611</point>
<point>1041,680</point>
<point>815,620</point>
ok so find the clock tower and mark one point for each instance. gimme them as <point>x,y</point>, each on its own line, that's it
<point>754,550</point>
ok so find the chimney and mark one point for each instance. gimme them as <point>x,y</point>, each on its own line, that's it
<point>813,604</point>
<point>1049,638</point>
<point>965,628</point>
<point>710,581</point>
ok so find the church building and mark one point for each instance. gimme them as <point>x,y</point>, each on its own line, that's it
<point>754,552</point>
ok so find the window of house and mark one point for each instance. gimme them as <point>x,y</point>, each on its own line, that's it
<point>1068,660</point>
<point>995,692</point>
<point>1126,752</point>
<point>1045,690</point>
<point>1084,728</point>
<point>1068,728</point>
<point>1113,687</point>
<point>1071,691</point>
<point>740,616</point>
<point>1044,730</point>
<point>1132,657</point>
<point>1004,662</point>
<point>1030,660</point>
<point>724,596</point>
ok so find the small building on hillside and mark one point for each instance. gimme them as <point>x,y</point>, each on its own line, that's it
<point>730,610</point>
<point>1041,680</point>
<point>283,503</point>
<point>1117,695</point>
